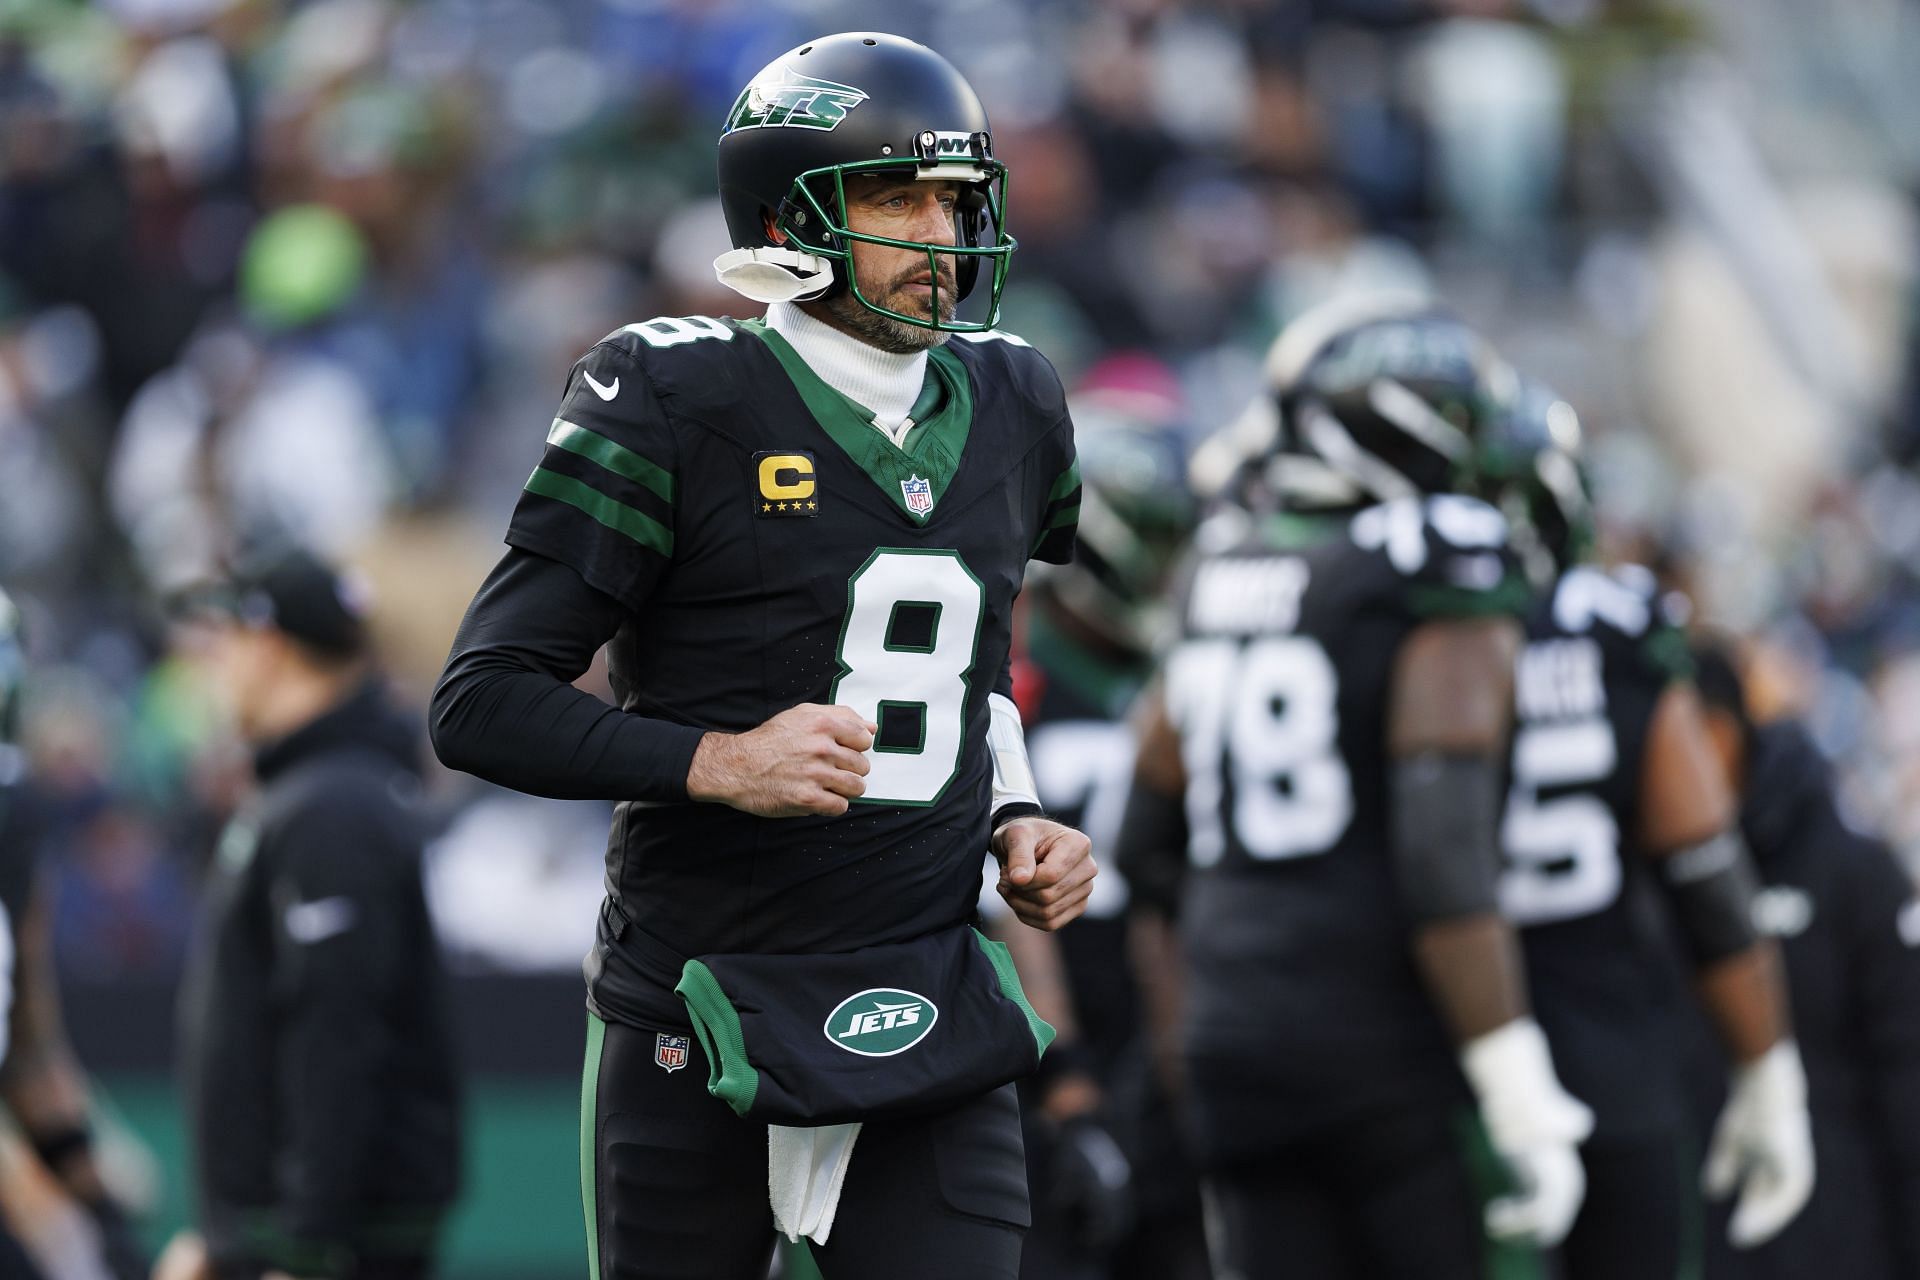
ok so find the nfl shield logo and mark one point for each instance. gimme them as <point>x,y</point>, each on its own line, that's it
<point>670,1052</point>
<point>919,494</point>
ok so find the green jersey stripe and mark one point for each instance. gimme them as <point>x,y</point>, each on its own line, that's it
<point>616,458</point>
<point>1064,517</point>
<point>618,516</point>
<point>1069,481</point>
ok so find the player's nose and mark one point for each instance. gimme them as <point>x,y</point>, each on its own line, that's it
<point>932,220</point>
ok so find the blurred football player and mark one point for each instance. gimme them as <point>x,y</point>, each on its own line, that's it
<point>1090,630</point>
<point>801,540</point>
<point>1848,923</point>
<point>41,1082</point>
<point>1615,803</point>
<point>1328,745</point>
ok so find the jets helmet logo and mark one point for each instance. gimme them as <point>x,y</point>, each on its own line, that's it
<point>880,1022</point>
<point>784,98</point>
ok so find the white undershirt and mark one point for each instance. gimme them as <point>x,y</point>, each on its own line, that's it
<point>883,381</point>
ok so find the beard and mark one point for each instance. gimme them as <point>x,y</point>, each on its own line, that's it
<point>851,316</point>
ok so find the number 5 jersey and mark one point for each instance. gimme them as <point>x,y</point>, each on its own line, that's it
<point>774,547</point>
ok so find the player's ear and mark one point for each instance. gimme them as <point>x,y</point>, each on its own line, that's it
<point>774,233</point>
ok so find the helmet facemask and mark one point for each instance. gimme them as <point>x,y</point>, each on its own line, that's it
<point>814,215</point>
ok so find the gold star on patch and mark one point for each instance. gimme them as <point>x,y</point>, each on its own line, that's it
<point>766,506</point>
<point>783,506</point>
<point>813,506</point>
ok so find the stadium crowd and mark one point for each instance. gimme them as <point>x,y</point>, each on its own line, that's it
<point>318,270</point>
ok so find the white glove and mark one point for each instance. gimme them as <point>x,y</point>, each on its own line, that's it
<point>1763,1144</point>
<point>1535,1126</point>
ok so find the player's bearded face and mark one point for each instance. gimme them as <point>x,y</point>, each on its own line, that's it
<point>899,279</point>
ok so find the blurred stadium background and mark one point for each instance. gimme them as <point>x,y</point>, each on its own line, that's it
<point>324,265</point>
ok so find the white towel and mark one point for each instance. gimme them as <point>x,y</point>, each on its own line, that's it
<point>805,1170</point>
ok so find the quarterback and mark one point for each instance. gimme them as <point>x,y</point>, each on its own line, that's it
<point>800,540</point>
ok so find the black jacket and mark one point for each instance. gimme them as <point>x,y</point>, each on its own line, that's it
<point>1848,923</point>
<point>317,1055</point>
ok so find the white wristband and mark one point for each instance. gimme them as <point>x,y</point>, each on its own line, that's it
<point>1007,746</point>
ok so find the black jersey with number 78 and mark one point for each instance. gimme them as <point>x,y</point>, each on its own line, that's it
<point>774,548</point>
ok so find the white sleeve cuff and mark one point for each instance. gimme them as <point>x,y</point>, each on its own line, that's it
<point>1007,745</point>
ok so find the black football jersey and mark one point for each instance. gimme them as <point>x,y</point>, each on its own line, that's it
<point>1300,964</point>
<point>1082,752</point>
<point>775,548</point>
<point>1600,652</point>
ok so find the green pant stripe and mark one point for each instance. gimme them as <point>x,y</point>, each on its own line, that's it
<point>1693,1215</point>
<point>589,1116</point>
<point>1505,1259</point>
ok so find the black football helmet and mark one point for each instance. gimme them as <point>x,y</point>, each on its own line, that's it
<point>1367,401</point>
<point>1136,514</point>
<point>856,103</point>
<point>1533,466</point>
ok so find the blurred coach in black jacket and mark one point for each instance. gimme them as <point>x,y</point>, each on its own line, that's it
<point>317,1057</point>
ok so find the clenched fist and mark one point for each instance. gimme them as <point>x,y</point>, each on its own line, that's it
<point>806,760</point>
<point>1046,871</point>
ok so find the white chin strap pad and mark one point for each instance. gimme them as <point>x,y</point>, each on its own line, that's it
<point>774,274</point>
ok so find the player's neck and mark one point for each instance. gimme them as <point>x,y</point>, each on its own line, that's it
<point>885,382</point>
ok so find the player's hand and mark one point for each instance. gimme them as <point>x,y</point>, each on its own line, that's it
<point>1763,1145</point>
<point>184,1258</point>
<point>1535,1126</point>
<point>1090,1182</point>
<point>806,760</point>
<point>1046,871</point>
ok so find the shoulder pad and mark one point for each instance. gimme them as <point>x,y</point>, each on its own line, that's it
<point>669,331</point>
<point>1587,597</point>
<point>1030,375</point>
<point>1452,549</point>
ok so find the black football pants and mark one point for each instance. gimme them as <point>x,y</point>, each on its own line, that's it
<point>1641,1218</point>
<point>676,1184</point>
<point>1395,1195</point>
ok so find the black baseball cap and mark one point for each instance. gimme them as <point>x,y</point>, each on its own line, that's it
<point>293,591</point>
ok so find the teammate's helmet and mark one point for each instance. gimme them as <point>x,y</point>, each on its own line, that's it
<point>1372,401</point>
<point>1533,467</point>
<point>1136,512</point>
<point>856,103</point>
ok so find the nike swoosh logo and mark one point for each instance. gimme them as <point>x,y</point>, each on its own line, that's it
<point>323,918</point>
<point>604,392</point>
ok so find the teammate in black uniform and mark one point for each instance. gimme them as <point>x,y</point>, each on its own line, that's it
<point>1614,800</point>
<point>801,540</point>
<point>1090,632</point>
<point>41,1082</point>
<point>1848,921</point>
<point>1329,749</point>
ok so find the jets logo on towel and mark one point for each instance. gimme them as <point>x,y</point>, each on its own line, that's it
<point>670,1052</point>
<point>880,1022</point>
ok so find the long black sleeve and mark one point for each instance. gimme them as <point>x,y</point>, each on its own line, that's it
<point>505,708</point>
<point>337,895</point>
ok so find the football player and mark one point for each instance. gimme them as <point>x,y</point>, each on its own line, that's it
<point>1615,799</point>
<point>1090,632</point>
<point>1327,745</point>
<point>801,539</point>
<point>41,1082</point>
<point>1848,924</point>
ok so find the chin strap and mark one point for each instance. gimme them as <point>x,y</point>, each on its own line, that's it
<point>774,274</point>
